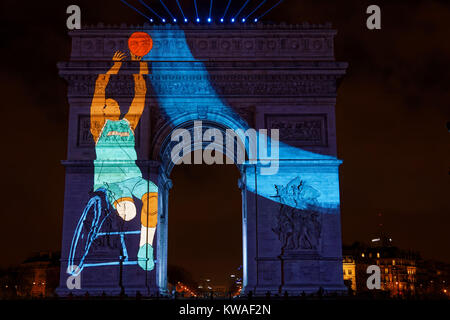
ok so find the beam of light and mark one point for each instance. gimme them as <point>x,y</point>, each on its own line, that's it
<point>210,8</point>
<point>167,9</point>
<point>196,11</point>
<point>179,6</point>
<point>129,5</point>
<point>269,10</point>
<point>264,1</point>
<point>226,9</point>
<point>242,8</point>
<point>154,12</point>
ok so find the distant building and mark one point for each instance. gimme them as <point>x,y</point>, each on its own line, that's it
<point>37,276</point>
<point>349,270</point>
<point>398,268</point>
<point>43,272</point>
<point>403,273</point>
<point>184,290</point>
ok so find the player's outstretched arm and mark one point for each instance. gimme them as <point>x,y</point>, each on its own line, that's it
<point>99,99</point>
<point>140,90</point>
<point>117,58</point>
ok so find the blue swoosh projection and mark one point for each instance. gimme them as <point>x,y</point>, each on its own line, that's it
<point>174,58</point>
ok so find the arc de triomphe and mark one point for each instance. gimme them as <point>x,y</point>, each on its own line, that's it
<point>223,77</point>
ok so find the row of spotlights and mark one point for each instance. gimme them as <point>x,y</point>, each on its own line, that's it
<point>209,20</point>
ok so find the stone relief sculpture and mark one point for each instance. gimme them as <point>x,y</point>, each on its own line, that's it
<point>298,224</point>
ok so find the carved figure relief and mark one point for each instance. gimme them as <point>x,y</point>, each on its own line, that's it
<point>298,224</point>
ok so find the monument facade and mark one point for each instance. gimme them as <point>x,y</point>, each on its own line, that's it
<point>200,78</point>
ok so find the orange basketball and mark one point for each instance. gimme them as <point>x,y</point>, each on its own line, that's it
<point>140,43</point>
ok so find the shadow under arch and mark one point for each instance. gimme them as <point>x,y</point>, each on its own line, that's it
<point>165,184</point>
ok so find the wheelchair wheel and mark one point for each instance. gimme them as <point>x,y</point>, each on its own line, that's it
<point>89,225</point>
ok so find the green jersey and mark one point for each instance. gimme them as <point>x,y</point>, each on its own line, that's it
<point>116,154</point>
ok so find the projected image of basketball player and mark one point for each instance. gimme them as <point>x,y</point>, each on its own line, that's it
<point>115,166</point>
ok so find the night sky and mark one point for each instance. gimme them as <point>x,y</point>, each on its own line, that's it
<point>392,109</point>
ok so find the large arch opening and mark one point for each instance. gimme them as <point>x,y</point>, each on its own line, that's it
<point>207,192</point>
<point>205,229</point>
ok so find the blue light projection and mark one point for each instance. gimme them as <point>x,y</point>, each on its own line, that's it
<point>210,10</point>
<point>181,10</point>
<point>135,9</point>
<point>196,10</point>
<point>178,61</point>
<point>168,11</point>
<point>209,19</point>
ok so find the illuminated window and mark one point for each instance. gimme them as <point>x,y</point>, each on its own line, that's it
<point>378,254</point>
<point>393,262</point>
<point>362,254</point>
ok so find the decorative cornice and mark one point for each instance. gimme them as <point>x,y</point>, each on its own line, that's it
<point>193,86</point>
<point>210,26</point>
<point>247,67</point>
<point>212,42</point>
